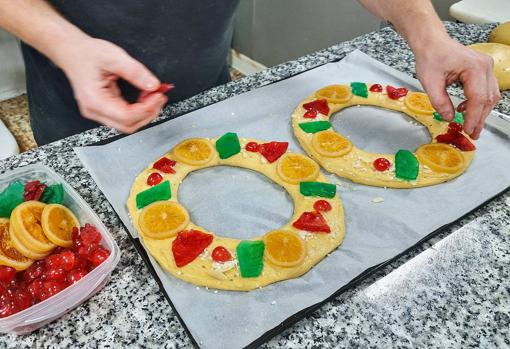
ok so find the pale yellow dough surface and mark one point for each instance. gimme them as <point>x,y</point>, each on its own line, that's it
<point>203,271</point>
<point>357,165</point>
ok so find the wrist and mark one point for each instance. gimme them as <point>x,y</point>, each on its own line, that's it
<point>62,47</point>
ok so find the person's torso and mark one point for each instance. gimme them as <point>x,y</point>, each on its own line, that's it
<point>181,41</point>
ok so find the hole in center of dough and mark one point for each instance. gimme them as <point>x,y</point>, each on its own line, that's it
<point>235,202</point>
<point>380,130</point>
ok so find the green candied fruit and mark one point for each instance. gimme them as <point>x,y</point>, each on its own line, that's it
<point>228,145</point>
<point>315,126</point>
<point>324,190</point>
<point>11,197</point>
<point>53,194</point>
<point>458,118</point>
<point>250,256</point>
<point>159,192</point>
<point>406,165</point>
<point>359,89</point>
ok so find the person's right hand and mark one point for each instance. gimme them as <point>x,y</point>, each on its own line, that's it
<point>93,67</point>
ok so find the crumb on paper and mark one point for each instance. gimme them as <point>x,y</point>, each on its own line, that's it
<point>273,303</point>
<point>378,200</point>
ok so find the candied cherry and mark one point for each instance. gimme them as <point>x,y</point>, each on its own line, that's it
<point>89,235</point>
<point>154,178</point>
<point>376,88</point>
<point>99,256</point>
<point>75,275</point>
<point>252,147</point>
<point>56,273</point>
<point>67,260</point>
<point>7,274</point>
<point>318,105</point>
<point>35,288</point>
<point>51,288</point>
<point>53,260</point>
<point>221,254</point>
<point>34,271</point>
<point>7,305</point>
<point>75,235</point>
<point>22,297</point>
<point>454,127</point>
<point>310,114</point>
<point>322,205</point>
<point>382,164</point>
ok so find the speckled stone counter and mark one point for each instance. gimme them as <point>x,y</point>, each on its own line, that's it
<point>452,291</point>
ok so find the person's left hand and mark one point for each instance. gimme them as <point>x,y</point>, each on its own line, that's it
<point>445,61</point>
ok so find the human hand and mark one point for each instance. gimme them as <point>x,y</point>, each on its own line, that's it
<point>443,62</point>
<point>93,67</point>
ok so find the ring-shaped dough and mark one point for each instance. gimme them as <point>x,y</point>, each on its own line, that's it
<point>203,271</point>
<point>357,164</point>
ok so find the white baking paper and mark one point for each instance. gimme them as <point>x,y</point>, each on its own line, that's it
<point>380,223</point>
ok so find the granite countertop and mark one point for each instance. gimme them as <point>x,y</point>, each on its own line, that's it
<point>452,291</point>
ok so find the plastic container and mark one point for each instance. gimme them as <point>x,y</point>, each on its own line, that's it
<point>8,145</point>
<point>52,308</point>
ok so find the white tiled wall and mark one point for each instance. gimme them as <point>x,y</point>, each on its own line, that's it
<point>12,71</point>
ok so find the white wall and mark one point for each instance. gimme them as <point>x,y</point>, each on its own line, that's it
<point>12,71</point>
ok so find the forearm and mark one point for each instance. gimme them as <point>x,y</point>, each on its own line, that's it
<point>415,20</point>
<point>39,25</point>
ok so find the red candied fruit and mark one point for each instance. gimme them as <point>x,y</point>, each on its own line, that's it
<point>252,147</point>
<point>310,114</point>
<point>454,127</point>
<point>33,190</point>
<point>56,273</point>
<point>34,271</point>
<point>76,275</point>
<point>318,105</point>
<point>455,137</point>
<point>89,234</point>
<point>7,305</point>
<point>312,221</point>
<point>22,297</point>
<point>7,274</point>
<point>99,256</point>
<point>35,289</point>
<point>51,288</point>
<point>221,254</point>
<point>165,165</point>
<point>273,150</point>
<point>376,88</point>
<point>381,164</point>
<point>154,178</point>
<point>396,93</point>
<point>322,206</point>
<point>188,245</point>
<point>67,260</point>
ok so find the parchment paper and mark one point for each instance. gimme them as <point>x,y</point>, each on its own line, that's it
<point>243,204</point>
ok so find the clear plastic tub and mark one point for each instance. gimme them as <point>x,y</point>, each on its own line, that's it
<point>46,311</point>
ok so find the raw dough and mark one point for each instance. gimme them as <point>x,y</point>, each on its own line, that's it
<point>202,271</point>
<point>357,164</point>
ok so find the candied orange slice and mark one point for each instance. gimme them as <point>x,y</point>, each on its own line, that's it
<point>27,229</point>
<point>335,93</point>
<point>284,248</point>
<point>9,255</point>
<point>294,168</point>
<point>419,103</point>
<point>194,151</point>
<point>440,157</point>
<point>58,222</point>
<point>331,144</point>
<point>163,219</point>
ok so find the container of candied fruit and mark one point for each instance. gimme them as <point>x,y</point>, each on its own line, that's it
<point>55,253</point>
